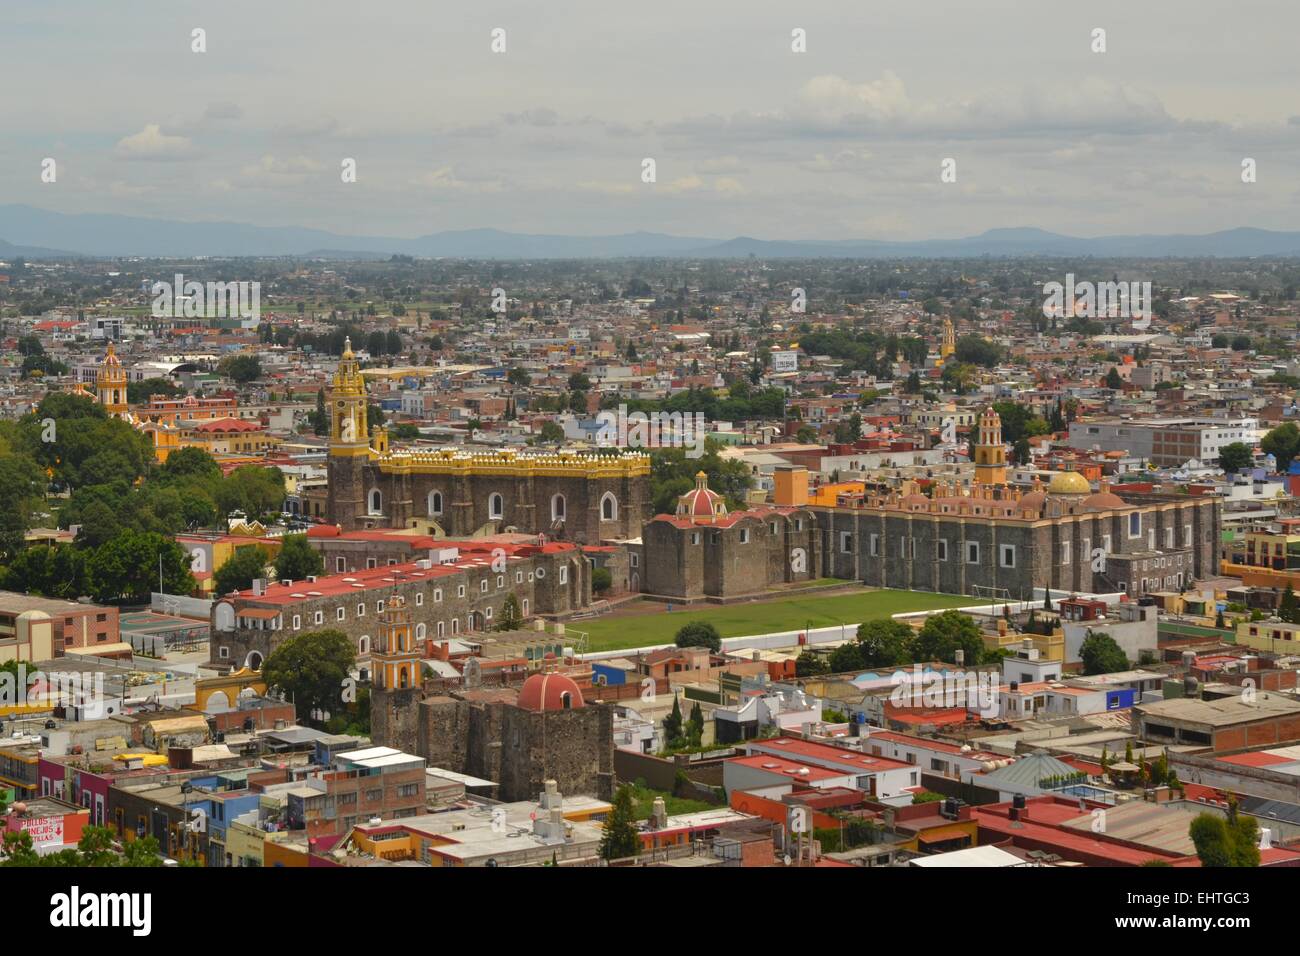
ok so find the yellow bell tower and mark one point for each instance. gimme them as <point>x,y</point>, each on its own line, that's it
<point>949,344</point>
<point>348,433</point>
<point>110,384</point>
<point>990,452</point>
<point>395,662</point>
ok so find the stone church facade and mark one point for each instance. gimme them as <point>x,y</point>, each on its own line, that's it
<point>582,497</point>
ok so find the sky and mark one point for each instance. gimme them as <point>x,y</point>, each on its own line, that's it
<point>748,137</point>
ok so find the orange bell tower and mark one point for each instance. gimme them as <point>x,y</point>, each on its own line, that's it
<point>990,452</point>
<point>395,663</point>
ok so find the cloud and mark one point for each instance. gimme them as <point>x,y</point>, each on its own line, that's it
<point>274,171</point>
<point>446,179</point>
<point>152,143</point>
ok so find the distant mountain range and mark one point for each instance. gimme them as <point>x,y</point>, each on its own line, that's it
<point>37,233</point>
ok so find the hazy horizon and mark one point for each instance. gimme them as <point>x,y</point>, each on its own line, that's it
<point>844,141</point>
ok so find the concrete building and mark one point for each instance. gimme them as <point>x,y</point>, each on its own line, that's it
<point>1227,723</point>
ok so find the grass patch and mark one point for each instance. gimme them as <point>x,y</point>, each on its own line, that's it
<point>644,800</point>
<point>613,632</point>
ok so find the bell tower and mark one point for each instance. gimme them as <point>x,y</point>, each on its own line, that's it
<point>990,452</point>
<point>949,344</point>
<point>348,433</point>
<point>395,662</point>
<point>110,384</point>
<point>349,445</point>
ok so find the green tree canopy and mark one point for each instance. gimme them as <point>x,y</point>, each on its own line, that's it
<point>619,838</point>
<point>240,569</point>
<point>1101,655</point>
<point>310,669</point>
<point>699,634</point>
<point>297,559</point>
<point>946,633</point>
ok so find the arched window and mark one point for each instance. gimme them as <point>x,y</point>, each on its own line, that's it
<point>254,661</point>
<point>363,644</point>
<point>435,502</point>
<point>496,506</point>
<point>557,508</point>
<point>566,700</point>
<point>420,631</point>
<point>609,507</point>
<point>376,502</point>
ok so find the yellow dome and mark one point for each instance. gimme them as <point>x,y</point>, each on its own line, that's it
<point>1069,483</point>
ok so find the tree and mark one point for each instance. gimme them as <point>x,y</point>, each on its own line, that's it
<point>619,839</point>
<point>297,559</point>
<point>252,489</point>
<point>320,418</point>
<point>142,391</point>
<point>846,657</point>
<point>810,664</point>
<point>240,569</point>
<point>551,433</point>
<point>601,580</point>
<point>1232,842</point>
<point>189,463</point>
<point>673,724</point>
<point>1101,655</point>
<point>944,634</point>
<point>240,368</point>
<point>1283,443</point>
<point>695,725</point>
<point>519,377</point>
<point>699,634</point>
<point>1288,608</point>
<point>885,642</point>
<point>512,619</point>
<point>24,486</point>
<point>1237,456</point>
<point>977,350</point>
<point>126,568</point>
<point>310,669</point>
<point>58,572</point>
<point>1113,380</point>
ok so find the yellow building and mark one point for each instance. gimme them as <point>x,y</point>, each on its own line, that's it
<point>1274,636</point>
<point>1050,647</point>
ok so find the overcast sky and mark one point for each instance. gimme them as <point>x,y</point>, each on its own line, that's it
<point>749,138</point>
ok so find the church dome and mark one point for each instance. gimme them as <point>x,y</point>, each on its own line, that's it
<point>1069,483</point>
<point>700,502</point>
<point>1032,501</point>
<point>550,692</point>
<point>1104,501</point>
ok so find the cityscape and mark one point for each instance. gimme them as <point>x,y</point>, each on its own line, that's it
<point>785,463</point>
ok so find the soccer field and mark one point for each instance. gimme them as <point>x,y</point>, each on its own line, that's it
<point>787,614</point>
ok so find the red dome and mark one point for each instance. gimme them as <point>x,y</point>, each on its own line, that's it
<point>548,692</point>
<point>700,502</point>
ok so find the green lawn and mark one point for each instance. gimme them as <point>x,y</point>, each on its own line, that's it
<point>786,614</point>
<point>644,799</point>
